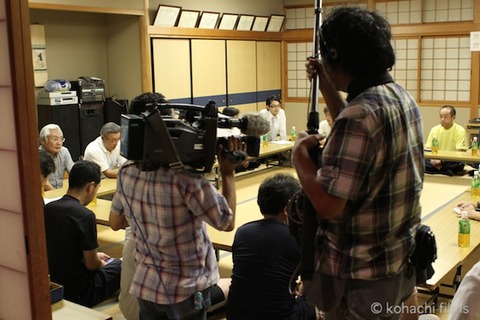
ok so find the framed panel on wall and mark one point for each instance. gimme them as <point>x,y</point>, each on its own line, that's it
<point>188,19</point>
<point>260,23</point>
<point>228,21</point>
<point>166,16</point>
<point>208,20</point>
<point>245,22</point>
<point>275,23</point>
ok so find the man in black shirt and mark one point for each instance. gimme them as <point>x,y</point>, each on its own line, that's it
<point>88,276</point>
<point>265,256</point>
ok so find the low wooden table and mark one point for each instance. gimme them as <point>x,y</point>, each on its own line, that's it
<point>457,156</point>
<point>275,147</point>
<point>281,148</point>
<point>66,310</point>
<point>107,187</point>
<point>450,257</point>
<point>101,210</point>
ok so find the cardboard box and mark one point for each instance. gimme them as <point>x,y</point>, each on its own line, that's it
<point>56,292</point>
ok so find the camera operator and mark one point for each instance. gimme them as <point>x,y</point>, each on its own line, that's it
<point>177,273</point>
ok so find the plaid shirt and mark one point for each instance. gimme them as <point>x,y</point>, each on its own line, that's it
<point>373,158</point>
<point>171,209</point>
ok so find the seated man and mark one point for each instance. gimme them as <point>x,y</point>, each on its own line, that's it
<point>265,256</point>
<point>275,115</point>
<point>105,150</point>
<point>51,140</point>
<point>88,276</point>
<point>325,126</point>
<point>451,137</point>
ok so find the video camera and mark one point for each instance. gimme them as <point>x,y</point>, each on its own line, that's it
<point>169,132</point>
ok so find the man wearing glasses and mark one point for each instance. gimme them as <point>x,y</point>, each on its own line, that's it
<point>51,140</point>
<point>105,150</point>
<point>276,116</point>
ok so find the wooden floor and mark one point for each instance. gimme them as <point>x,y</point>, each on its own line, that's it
<point>437,189</point>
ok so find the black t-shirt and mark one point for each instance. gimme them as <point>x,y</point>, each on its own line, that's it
<point>265,256</point>
<point>70,229</point>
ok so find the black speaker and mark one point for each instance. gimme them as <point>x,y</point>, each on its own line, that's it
<point>66,116</point>
<point>91,121</point>
<point>113,110</point>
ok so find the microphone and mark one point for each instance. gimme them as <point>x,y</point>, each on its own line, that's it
<point>250,124</point>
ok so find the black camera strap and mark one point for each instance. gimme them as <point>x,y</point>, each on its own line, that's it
<point>161,133</point>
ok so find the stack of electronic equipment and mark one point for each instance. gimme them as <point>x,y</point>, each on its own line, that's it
<point>91,96</point>
<point>56,98</point>
<point>58,104</point>
<point>77,107</point>
<point>89,89</point>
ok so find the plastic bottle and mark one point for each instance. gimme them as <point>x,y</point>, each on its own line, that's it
<point>475,185</point>
<point>265,141</point>
<point>435,145</point>
<point>474,146</point>
<point>464,231</point>
<point>293,134</point>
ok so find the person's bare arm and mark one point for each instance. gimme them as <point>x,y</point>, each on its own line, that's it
<point>227,172</point>
<point>47,186</point>
<point>117,221</point>
<point>111,173</point>
<point>91,260</point>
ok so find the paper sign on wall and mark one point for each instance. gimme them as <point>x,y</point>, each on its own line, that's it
<point>475,41</point>
<point>39,54</point>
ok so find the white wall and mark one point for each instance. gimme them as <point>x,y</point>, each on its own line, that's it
<point>76,43</point>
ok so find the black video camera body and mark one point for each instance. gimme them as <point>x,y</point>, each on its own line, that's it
<point>170,132</point>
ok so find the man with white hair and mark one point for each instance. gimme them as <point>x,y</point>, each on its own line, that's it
<point>105,150</point>
<point>51,140</point>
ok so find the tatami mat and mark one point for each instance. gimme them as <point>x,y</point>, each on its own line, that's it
<point>437,189</point>
<point>440,189</point>
<point>109,241</point>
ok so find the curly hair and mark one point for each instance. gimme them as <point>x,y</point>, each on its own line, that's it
<point>140,103</point>
<point>357,40</point>
<point>275,192</point>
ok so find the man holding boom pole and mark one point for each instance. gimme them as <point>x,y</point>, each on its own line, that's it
<point>366,191</point>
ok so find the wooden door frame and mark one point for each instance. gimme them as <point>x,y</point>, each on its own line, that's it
<point>18,28</point>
